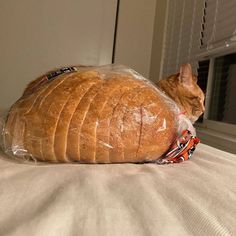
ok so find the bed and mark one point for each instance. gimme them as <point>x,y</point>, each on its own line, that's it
<point>197,197</point>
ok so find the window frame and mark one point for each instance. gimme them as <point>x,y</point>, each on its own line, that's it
<point>216,133</point>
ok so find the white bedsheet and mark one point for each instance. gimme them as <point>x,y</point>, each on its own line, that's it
<point>197,197</point>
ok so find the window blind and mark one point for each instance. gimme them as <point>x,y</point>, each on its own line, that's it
<point>220,24</point>
<point>183,34</point>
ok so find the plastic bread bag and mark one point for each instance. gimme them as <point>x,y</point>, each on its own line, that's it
<point>106,114</point>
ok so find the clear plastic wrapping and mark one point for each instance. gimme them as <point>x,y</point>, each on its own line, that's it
<point>106,114</point>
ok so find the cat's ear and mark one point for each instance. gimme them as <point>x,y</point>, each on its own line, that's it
<point>186,74</point>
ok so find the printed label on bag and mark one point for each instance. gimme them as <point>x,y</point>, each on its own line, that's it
<point>61,71</point>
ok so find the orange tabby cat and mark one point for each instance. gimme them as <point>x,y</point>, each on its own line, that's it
<point>183,89</point>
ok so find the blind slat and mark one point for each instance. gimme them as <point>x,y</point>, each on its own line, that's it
<point>220,23</point>
<point>182,43</point>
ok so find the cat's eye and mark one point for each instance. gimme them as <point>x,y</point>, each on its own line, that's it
<point>195,98</point>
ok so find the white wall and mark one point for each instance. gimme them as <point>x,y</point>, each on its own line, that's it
<point>135,34</point>
<point>158,40</point>
<point>36,36</point>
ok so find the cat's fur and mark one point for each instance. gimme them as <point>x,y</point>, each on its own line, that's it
<point>183,89</point>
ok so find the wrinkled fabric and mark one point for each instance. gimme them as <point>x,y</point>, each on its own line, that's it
<point>196,197</point>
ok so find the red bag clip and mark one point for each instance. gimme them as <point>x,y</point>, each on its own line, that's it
<point>181,150</point>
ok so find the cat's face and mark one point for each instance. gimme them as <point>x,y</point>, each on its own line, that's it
<point>183,89</point>
<point>191,98</point>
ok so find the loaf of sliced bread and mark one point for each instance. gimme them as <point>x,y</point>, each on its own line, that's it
<point>91,115</point>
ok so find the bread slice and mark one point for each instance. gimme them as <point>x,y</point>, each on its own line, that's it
<point>74,131</point>
<point>89,126</point>
<point>88,136</point>
<point>12,142</point>
<point>61,133</point>
<point>116,153</point>
<point>132,124</point>
<point>15,124</point>
<point>104,118</point>
<point>34,134</point>
<point>158,127</point>
<point>9,130</point>
<point>54,105</point>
